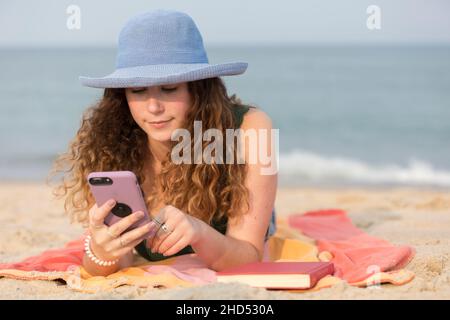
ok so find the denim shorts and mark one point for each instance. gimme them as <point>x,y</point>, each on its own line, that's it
<point>272,226</point>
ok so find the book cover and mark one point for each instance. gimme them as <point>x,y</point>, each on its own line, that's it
<point>278,275</point>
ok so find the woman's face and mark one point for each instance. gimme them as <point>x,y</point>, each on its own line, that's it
<point>166,104</point>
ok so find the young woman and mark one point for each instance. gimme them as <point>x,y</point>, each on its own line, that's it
<point>224,212</point>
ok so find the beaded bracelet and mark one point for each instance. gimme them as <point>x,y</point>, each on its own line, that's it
<point>91,256</point>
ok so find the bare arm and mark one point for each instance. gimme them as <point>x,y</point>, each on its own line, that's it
<point>244,240</point>
<point>97,270</point>
<point>220,251</point>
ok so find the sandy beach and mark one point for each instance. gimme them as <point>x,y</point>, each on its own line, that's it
<point>31,222</point>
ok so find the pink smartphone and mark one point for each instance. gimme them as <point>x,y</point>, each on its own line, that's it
<point>123,187</point>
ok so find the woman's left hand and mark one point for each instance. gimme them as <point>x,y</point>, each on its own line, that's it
<point>177,231</point>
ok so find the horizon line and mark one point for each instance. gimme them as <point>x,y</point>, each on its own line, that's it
<point>243,45</point>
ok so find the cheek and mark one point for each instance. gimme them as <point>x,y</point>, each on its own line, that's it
<point>180,112</point>
<point>136,113</point>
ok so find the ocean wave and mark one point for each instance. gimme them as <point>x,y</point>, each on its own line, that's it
<point>302,165</point>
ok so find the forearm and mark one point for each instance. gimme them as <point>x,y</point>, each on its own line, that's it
<point>97,270</point>
<point>219,251</point>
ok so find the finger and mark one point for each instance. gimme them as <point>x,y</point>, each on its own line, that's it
<point>159,238</point>
<point>99,214</point>
<point>169,242</point>
<point>92,212</point>
<point>161,216</point>
<point>133,235</point>
<point>123,224</point>
<point>124,250</point>
<point>176,247</point>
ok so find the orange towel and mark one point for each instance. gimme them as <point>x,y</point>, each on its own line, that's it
<point>287,244</point>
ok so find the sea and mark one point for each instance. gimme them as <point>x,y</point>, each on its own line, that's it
<point>347,115</point>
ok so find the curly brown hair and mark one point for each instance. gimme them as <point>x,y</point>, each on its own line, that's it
<point>109,139</point>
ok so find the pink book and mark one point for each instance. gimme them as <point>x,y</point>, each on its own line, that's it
<point>278,275</point>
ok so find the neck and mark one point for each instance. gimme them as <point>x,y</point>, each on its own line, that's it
<point>158,150</point>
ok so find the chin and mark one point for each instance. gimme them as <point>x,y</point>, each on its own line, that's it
<point>160,136</point>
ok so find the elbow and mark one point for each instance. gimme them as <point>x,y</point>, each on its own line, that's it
<point>258,252</point>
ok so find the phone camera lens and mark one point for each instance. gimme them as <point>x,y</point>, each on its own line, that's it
<point>100,181</point>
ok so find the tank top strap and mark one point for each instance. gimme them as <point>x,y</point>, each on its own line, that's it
<point>238,112</point>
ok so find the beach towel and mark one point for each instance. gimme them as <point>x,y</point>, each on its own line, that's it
<point>355,254</point>
<point>325,235</point>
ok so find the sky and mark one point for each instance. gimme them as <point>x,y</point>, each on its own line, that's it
<point>241,22</point>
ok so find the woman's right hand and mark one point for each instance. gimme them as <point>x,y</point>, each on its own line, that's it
<point>111,243</point>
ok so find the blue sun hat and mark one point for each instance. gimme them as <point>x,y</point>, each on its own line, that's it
<point>161,47</point>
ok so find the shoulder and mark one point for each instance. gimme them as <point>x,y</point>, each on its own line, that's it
<point>258,137</point>
<point>255,118</point>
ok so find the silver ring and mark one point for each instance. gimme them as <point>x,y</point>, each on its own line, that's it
<point>165,228</point>
<point>157,222</point>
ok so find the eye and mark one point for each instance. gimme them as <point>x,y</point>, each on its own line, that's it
<point>169,89</point>
<point>138,90</point>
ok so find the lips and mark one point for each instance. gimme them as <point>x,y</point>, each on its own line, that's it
<point>158,122</point>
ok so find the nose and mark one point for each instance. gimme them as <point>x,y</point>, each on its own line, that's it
<point>154,104</point>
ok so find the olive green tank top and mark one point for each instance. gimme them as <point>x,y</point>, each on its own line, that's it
<point>220,225</point>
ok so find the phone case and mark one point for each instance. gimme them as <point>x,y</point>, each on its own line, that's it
<point>123,187</point>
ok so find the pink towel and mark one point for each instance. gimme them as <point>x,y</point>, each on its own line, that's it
<point>186,267</point>
<point>356,255</point>
<point>52,260</point>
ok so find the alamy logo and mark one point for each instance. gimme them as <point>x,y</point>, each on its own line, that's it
<point>73,21</point>
<point>374,19</point>
<point>262,144</point>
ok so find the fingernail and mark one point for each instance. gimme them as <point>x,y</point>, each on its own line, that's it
<point>111,202</point>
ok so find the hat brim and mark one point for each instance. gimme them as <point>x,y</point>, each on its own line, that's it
<point>150,75</point>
